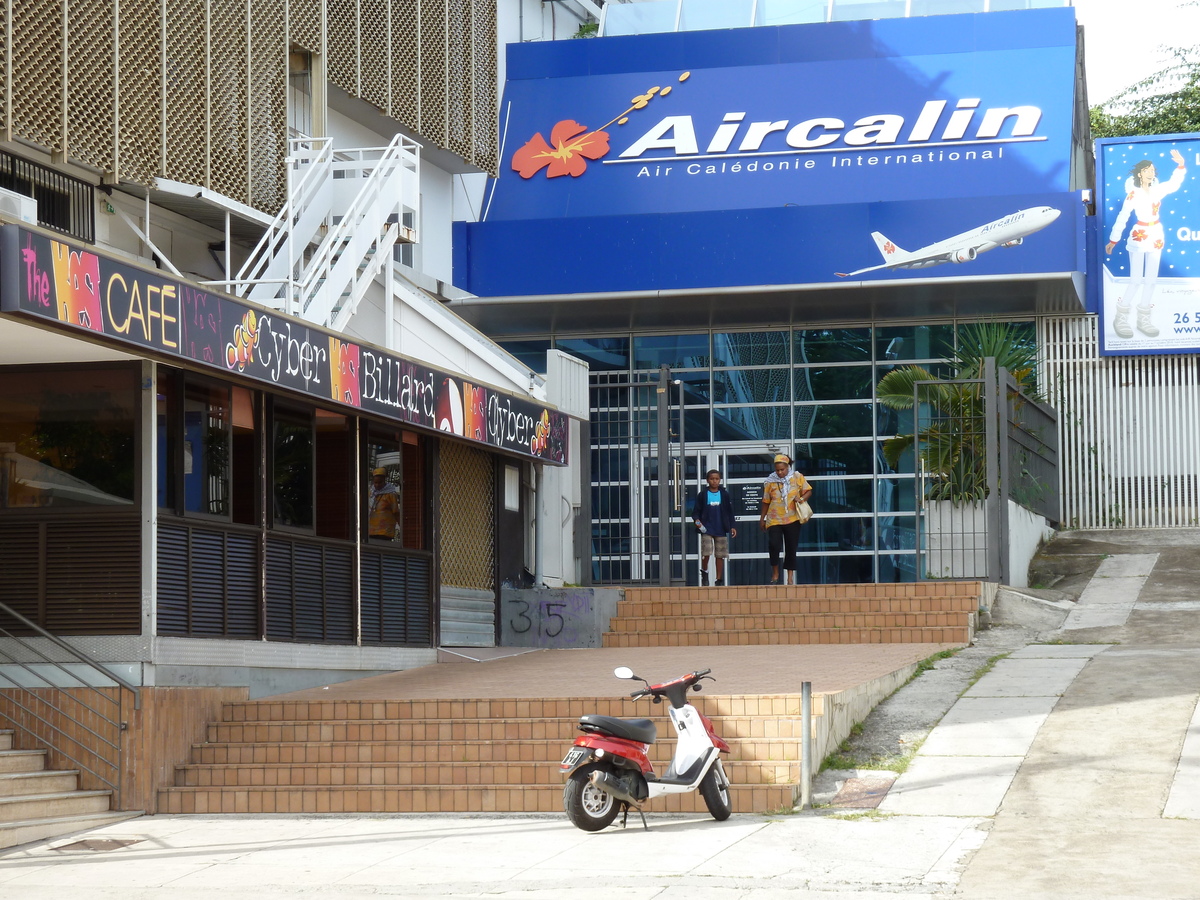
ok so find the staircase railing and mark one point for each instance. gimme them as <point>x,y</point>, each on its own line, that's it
<point>67,701</point>
<point>345,210</point>
<point>271,268</point>
<point>360,244</point>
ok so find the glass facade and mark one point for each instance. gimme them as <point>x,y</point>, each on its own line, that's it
<point>808,392</point>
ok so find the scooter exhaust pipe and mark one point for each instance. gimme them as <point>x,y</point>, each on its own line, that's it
<point>609,785</point>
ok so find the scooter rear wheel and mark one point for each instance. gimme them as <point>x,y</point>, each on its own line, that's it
<point>588,807</point>
<point>715,791</point>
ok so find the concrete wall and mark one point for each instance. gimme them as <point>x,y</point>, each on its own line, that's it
<point>556,618</point>
<point>1026,533</point>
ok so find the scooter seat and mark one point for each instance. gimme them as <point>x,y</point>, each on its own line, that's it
<point>642,730</point>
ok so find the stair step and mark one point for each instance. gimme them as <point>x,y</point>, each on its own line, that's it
<point>469,730</point>
<point>25,831</point>
<point>931,635</point>
<point>378,752</point>
<point>722,622</point>
<point>346,712</point>
<point>16,784</point>
<point>6,738</point>
<point>22,761</point>
<point>941,590</point>
<point>68,803</point>
<point>435,798</point>
<point>787,606</point>
<point>508,774</point>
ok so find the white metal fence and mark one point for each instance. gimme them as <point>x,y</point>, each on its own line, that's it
<point>1130,430</point>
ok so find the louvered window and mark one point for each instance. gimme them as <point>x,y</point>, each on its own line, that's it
<point>208,580</point>
<point>397,598</point>
<point>309,588</point>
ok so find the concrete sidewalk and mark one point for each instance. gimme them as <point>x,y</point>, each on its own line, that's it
<point>236,857</point>
<point>1068,770</point>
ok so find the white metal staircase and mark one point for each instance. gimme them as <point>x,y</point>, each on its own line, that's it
<point>345,211</point>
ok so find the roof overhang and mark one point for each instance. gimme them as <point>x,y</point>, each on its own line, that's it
<point>759,306</point>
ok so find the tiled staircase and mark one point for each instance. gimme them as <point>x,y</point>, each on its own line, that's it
<point>453,756</point>
<point>940,612</point>
<point>502,755</point>
<point>36,804</point>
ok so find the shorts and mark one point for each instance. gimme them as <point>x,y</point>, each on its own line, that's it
<point>714,546</point>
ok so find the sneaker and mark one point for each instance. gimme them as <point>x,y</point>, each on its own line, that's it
<point>703,579</point>
<point>1144,325</point>
<point>720,582</point>
<point>1121,322</point>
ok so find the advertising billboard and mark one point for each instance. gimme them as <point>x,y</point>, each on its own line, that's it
<point>1149,237</point>
<point>686,159</point>
<point>94,294</point>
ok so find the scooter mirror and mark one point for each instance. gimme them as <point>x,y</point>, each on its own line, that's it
<point>624,672</point>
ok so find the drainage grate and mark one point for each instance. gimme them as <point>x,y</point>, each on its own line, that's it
<point>100,845</point>
<point>862,793</point>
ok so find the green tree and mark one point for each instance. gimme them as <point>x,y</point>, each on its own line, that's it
<point>952,439</point>
<point>1168,102</point>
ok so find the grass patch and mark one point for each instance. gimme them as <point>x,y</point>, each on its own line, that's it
<point>983,670</point>
<point>930,661</point>
<point>844,757</point>
<point>869,815</point>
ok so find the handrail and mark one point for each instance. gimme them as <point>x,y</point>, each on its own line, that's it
<point>78,728</point>
<point>79,656</point>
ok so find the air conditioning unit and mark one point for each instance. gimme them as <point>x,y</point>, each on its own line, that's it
<point>18,206</point>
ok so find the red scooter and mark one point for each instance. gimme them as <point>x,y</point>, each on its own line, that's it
<point>608,771</point>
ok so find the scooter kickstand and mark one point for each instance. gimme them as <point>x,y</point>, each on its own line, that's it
<point>625,816</point>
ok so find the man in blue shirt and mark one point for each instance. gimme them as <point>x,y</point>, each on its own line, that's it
<point>713,515</point>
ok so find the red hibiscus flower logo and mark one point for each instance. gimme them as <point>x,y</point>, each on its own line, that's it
<point>1158,245</point>
<point>566,153</point>
<point>571,145</point>
<point>1138,234</point>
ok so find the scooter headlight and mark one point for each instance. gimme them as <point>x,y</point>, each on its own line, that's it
<point>599,753</point>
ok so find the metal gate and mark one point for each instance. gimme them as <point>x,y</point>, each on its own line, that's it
<point>978,444</point>
<point>638,481</point>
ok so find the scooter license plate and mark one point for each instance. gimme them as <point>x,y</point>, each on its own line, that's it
<point>574,755</point>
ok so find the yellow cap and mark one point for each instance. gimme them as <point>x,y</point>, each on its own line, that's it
<point>379,472</point>
<point>783,458</point>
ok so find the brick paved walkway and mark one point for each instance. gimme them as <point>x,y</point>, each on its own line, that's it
<point>771,669</point>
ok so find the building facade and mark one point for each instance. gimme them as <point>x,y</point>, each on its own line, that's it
<point>735,205</point>
<point>222,313</point>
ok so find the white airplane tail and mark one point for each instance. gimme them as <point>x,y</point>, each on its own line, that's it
<point>891,251</point>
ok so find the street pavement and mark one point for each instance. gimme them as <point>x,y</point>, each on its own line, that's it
<point>1070,769</point>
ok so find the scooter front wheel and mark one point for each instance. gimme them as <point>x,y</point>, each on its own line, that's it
<point>588,807</point>
<point>715,791</point>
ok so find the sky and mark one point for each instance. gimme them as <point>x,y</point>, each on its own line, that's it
<point>1123,39</point>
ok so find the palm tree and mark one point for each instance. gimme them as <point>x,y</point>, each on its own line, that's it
<point>952,444</point>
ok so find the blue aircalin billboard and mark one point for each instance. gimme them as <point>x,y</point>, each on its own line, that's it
<point>785,155</point>
<point>1149,209</point>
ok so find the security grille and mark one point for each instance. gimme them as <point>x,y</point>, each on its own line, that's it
<point>468,515</point>
<point>196,90</point>
<point>186,113</point>
<point>139,126</point>
<point>91,90</point>
<point>37,41</point>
